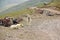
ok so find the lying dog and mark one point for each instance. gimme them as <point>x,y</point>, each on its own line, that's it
<point>16,26</point>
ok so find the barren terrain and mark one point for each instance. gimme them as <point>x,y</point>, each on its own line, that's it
<point>41,28</point>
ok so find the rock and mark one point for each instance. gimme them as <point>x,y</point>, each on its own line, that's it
<point>48,13</point>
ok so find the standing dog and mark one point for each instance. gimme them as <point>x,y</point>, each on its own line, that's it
<point>27,19</point>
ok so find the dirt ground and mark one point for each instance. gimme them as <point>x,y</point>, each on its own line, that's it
<point>41,28</point>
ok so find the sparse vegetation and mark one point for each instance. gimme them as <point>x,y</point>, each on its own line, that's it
<point>55,3</point>
<point>16,13</point>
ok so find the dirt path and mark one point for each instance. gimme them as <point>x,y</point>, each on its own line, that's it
<point>42,28</point>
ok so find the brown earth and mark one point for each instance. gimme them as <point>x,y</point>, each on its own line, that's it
<point>41,28</point>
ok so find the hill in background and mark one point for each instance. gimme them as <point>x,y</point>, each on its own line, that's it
<point>22,8</point>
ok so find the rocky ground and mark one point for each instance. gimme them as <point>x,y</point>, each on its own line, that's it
<point>41,28</point>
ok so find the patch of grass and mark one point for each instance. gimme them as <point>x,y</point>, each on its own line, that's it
<point>40,5</point>
<point>55,3</point>
<point>16,13</point>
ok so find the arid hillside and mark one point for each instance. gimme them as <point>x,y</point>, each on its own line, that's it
<point>42,28</point>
